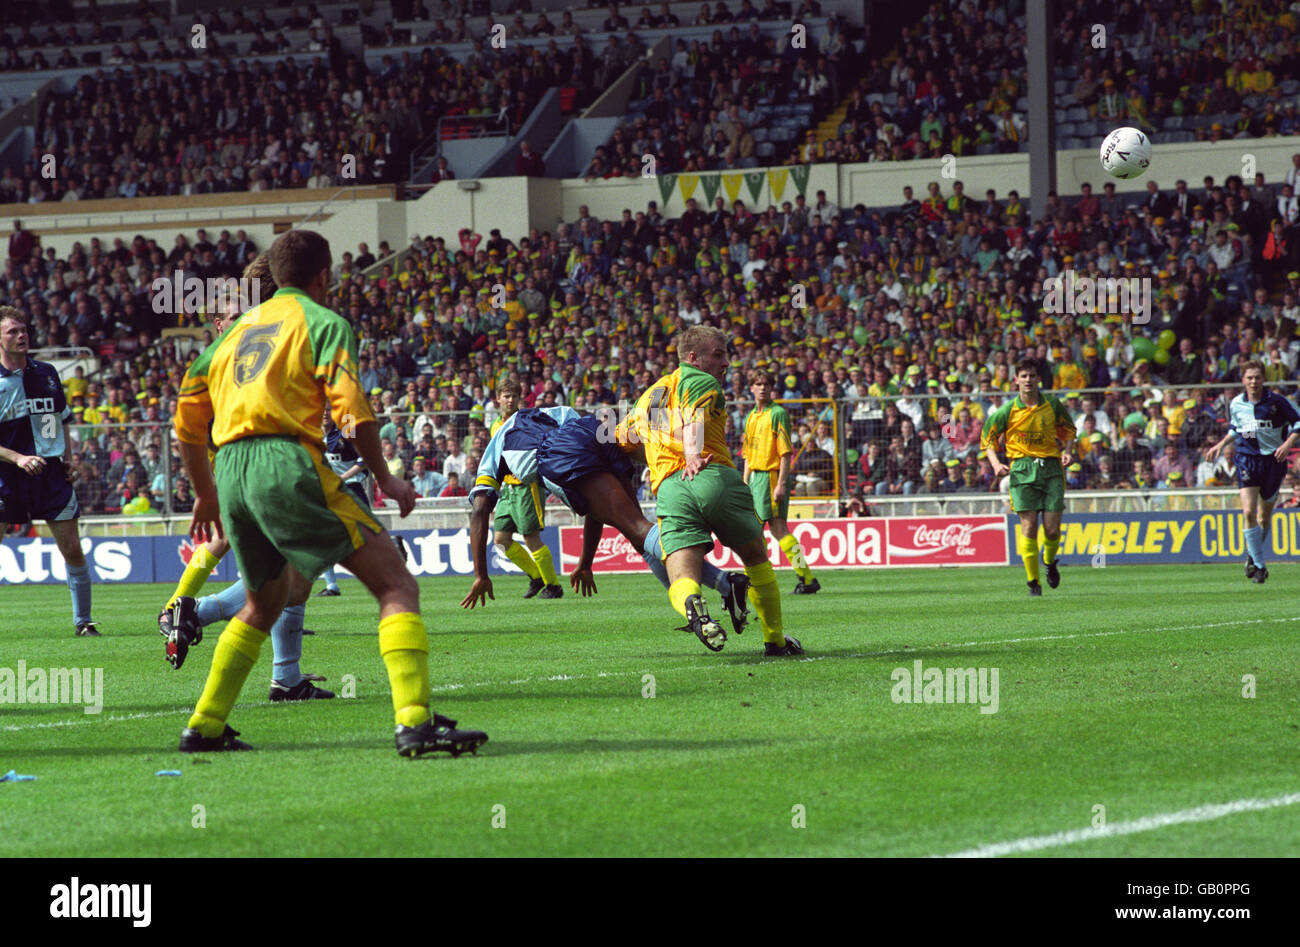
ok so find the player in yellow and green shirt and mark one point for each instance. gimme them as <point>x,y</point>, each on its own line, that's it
<point>681,422</point>
<point>767,452</point>
<point>1033,426</point>
<point>520,510</point>
<point>264,387</point>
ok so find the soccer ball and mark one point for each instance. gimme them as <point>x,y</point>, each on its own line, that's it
<point>1126,153</point>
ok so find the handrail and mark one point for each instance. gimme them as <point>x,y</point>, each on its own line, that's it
<point>332,198</point>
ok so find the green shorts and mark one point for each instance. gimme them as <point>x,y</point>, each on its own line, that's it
<point>716,501</point>
<point>1037,485</point>
<point>761,485</point>
<point>280,502</point>
<point>519,509</point>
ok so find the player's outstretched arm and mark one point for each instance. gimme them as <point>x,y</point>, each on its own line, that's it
<point>479,520</point>
<point>1213,452</point>
<point>582,580</point>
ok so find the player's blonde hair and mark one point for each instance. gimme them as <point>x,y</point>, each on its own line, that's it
<point>696,338</point>
<point>259,270</point>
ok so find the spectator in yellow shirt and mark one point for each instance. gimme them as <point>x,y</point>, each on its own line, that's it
<point>1173,412</point>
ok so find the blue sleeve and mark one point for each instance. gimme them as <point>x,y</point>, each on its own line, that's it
<point>489,465</point>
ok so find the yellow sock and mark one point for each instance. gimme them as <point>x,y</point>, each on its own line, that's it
<point>405,649</point>
<point>545,566</point>
<point>1049,549</point>
<point>520,557</point>
<point>1028,549</point>
<point>794,552</point>
<point>233,657</point>
<point>197,570</point>
<point>680,591</point>
<point>766,599</point>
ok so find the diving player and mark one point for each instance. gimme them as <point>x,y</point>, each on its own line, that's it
<point>580,460</point>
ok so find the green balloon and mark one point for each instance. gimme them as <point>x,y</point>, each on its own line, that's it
<point>1143,348</point>
<point>1167,339</point>
<point>860,334</point>
<point>1162,356</point>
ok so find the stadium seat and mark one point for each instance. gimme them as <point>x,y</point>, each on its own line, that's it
<point>765,150</point>
<point>760,135</point>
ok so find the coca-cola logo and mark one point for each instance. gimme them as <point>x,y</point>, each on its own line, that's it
<point>953,536</point>
<point>615,547</point>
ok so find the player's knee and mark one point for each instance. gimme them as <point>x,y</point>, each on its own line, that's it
<point>402,590</point>
<point>753,552</point>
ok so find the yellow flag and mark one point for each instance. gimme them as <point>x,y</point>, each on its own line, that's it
<point>731,184</point>
<point>776,178</point>
<point>688,182</point>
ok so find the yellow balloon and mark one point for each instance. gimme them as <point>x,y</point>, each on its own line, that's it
<point>1166,339</point>
<point>1162,356</point>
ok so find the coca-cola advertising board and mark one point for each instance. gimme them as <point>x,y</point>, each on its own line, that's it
<point>837,543</point>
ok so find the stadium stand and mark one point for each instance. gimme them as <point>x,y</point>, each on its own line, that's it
<point>916,313</point>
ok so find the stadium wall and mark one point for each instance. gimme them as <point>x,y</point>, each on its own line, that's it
<point>258,213</point>
<point>36,561</point>
<point>1090,539</point>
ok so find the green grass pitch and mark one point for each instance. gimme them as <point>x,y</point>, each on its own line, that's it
<point>1122,689</point>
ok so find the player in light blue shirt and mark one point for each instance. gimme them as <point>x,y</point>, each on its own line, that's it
<point>35,476</point>
<point>1266,426</point>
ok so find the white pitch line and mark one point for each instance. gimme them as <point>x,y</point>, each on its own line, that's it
<point>1206,813</point>
<point>443,688</point>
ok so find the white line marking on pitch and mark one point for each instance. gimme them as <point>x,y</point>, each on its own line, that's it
<point>1206,813</point>
<point>443,688</point>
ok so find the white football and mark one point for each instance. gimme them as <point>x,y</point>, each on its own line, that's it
<point>1126,153</point>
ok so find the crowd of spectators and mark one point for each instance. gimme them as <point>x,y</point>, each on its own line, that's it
<point>1196,61</point>
<point>216,126</point>
<point>707,105</point>
<point>914,316</point>
<point>901,306</point>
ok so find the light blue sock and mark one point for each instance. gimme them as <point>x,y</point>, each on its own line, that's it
<point>223,606</point>
<point>1255,545</point>
<point>286,640</point>
<point>713,577</point>
<point>654,555</point>
<point>331,582</point>
<point>79,586</point>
